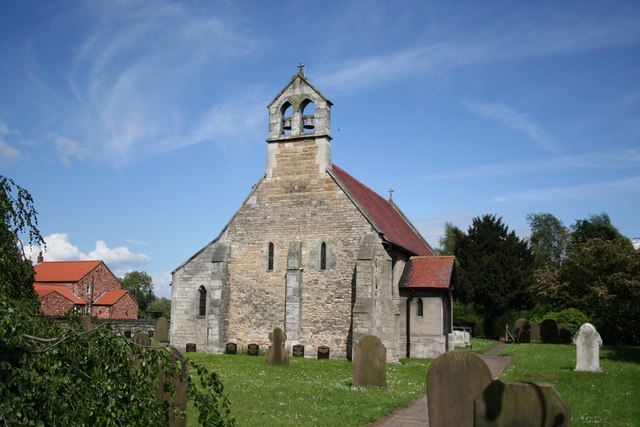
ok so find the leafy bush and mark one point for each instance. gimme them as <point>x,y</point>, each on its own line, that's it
<point>571,317</point>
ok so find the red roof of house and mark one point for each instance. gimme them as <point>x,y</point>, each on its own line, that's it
<point>110,297</point>
<point>385,216</point>
<point>63,271</point>
<point>434,272</point>
<point>45,289</point>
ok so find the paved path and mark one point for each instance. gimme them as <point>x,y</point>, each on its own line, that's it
<point>417,415</point>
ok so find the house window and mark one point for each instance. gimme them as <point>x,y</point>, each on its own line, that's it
<point>87,289</point>
<point>420,307</point>
<point>270,257</point>
<point>323,256</point>
<point>202,305</point>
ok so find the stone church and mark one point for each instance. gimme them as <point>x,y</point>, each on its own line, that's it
<point>314,251</point>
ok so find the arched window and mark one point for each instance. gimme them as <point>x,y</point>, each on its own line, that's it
<point>270,257</point>
<point>308,109</point>
<point>420,307</point>
<point>202,302</point>
<point>287,114</point>
<point>323,256</point>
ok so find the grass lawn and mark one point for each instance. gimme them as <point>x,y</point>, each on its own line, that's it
<point>318,392</point>
<point>309,391</point>
<point>610,398</point>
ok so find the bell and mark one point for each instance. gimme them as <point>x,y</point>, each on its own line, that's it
<point>307,122</point>
<point>286,123</point>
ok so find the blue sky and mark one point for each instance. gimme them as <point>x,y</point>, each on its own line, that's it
<point>139,126</point>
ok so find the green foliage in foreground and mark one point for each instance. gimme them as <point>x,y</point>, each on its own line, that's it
<point>309,391</point>
<point>609,398</point>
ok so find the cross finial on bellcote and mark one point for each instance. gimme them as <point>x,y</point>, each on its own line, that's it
<point>301,69</point>
<point>391,190</point>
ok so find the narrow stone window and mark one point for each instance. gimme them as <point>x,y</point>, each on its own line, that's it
<point>420,307</point>
<point>323,256</point>
<point>270,257</point>
<point>202,303</point>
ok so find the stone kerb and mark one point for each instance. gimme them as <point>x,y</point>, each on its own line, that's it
<point>503,404</point>
<point>588,343</point>
<point>369,363</point>
<point>454,380</point>
<point>277,354</point>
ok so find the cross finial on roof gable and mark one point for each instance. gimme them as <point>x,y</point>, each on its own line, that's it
<point>301,69</point>
<point>391,190</point>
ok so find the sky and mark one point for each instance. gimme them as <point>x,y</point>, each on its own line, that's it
<point>139,127</point>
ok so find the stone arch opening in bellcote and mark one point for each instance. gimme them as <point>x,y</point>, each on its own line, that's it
<point>286,118</point>
<point>307,112</point>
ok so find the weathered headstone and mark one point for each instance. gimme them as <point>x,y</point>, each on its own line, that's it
<point>141,338</point>
<point>179,382</point>
<point>535,331</point>
<point>253,349</point>
<point>454,380</point>
<point>323,352</point>
<point>231,348</point>
<point>522,329</point>
<point>191,347</point>
<point>549,331</point>
<point>588,344</point>
<point>505,404</point>
<point>298,350</point>
<point>564,333</point>
<point>87,325</point>
<point>276,353</point>
<point>369,363</point>
<point>162,329</point>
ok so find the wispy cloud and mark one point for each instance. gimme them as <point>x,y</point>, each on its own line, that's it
<point>513,119</point>
<point>8,138</point>
<point>582,191</point>
<point>614,159</point>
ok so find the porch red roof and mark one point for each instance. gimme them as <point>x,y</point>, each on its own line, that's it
<point>110,297</point>
<point>63,271</point>
<point>45,289</point>
<point>433,272</point>
<point>384,214</point>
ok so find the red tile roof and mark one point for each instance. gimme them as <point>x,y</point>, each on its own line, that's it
<point>63,271</point>
<point>45,289</point>
<point>384,215</point>
<point>110,297</point>
<point>433,272</point>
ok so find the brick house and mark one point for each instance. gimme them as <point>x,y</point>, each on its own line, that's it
<point>88,286</point>
<point>314,251</point>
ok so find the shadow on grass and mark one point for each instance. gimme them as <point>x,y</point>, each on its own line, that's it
<point>621,354</point>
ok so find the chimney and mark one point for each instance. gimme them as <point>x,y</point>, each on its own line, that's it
<point>40,258</point>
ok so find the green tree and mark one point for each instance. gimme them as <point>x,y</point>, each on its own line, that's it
<point>549,240</point>
<point>140,286</point>
<point>596,227</point>
<point>496,270</point>
<point>162,306</point>
<point>452,235</point>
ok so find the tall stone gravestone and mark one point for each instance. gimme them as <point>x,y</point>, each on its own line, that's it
<point>454,381</point>
<point>506,404</point>
<point>141,338</point>
<point>87,325</point>
<point>162,330</point>
<point>588,343</point>
<point>277,354</point>
<point>369,363</point>
<point>177,401</point>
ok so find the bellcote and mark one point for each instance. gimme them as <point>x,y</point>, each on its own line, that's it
<point>299,111</point>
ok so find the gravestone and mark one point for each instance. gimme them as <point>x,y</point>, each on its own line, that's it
<point>588,344</point>
<point>549,331</point>
<point>564,334</point>
<point>87,325</point>
<point>191,347</point>
<point>535,331</point>
<point>231,348</point>
<point>253,349</point>
<point>369,363</point>
<point>323,352</point>
<point>298,350</point>
<point>276,353</point>
<point>522,404</point>
<point>162,329</point>
<point>141,338</point>
<point>179,382</point>
<point>454,381</point>
<point>127,334</point>
<point>522,329</point>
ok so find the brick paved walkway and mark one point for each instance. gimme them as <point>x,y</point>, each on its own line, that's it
<point>417,414</point>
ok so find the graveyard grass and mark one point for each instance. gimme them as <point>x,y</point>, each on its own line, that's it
<point>309,391</point>
<point>609,398</point>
